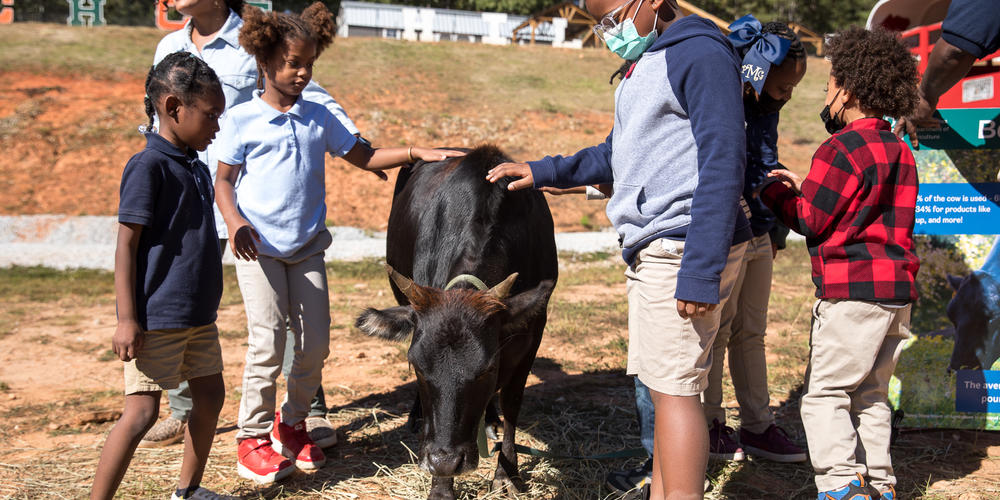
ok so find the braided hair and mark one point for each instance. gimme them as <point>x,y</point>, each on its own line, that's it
<point>181,74</point>
<point>263,34</point>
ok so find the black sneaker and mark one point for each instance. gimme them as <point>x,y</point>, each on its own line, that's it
<point>629,479</point>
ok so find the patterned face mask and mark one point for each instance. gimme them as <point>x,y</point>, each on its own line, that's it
<point>622,38</point>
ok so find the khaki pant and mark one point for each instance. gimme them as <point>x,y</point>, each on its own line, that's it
<point>669,354</point>
<point>171,356</point>
<point>845,410</point>
<point>741,330</point>
<point>275,289</point>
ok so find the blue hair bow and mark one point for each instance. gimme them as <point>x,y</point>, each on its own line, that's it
<point>762,49</point>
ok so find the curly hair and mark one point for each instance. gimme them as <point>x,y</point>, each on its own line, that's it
<point>182,74</point>
<point>875,67</point>
<point>263,34</point>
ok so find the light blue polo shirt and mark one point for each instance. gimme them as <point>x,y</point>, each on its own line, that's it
<point>237,70</point>
<point>281,189</point>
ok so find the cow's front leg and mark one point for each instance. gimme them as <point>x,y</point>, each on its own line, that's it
<point>442,488</point>
<point>506,476</point>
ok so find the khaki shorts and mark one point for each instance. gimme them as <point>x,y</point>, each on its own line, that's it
<point>669,354</point>
<point>170,356</point>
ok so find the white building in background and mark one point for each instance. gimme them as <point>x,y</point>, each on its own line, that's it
<point>442,25</point>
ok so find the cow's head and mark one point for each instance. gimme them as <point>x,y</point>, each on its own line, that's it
<point>975,312</point>
<point>454,351</point>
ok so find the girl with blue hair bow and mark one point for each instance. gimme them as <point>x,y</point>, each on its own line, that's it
<point>774,62</point>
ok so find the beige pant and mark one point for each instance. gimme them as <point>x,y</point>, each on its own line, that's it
<point>845,411</point>
<point>669,354</point>
<point>275,289</point>
<point>741,330</point>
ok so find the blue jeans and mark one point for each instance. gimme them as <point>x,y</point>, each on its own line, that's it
<point>645,413</point>
<point>180,398</point>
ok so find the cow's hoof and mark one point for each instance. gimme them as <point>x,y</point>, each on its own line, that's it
<point>509,486</point>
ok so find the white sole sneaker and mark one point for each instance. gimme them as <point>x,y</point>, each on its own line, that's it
<point>246,473</point>
<point>302,464</point>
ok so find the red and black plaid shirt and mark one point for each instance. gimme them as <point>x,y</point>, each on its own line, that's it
<point>856,211</point>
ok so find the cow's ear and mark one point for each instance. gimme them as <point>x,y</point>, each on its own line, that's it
<point>394,323</point>
<point>955,281</point>
<point>528,304</point>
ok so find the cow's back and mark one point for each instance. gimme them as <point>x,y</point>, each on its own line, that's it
<point>447,219</point>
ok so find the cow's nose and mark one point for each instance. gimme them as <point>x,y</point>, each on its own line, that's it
<point>444,463</point>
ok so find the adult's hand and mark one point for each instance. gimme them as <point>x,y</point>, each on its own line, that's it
<point>922,117</point>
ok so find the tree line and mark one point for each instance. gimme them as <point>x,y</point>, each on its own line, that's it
<point>818,15</point>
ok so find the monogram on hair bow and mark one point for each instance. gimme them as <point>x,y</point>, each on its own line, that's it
<point>762,49</point>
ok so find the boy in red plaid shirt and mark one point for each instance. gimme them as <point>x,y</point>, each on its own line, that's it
<point>856,209</point>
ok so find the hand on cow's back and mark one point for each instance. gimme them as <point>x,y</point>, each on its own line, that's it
<point>429,154</point>
<point>520,170</point>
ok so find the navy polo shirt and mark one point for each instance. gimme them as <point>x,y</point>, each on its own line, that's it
<point>178,264</point>
<point>973,26</point>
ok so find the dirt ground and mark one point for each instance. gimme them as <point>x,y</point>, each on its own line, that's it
<point>67,138</point>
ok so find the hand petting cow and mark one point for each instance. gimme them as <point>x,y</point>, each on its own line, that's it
<point>452,235</point>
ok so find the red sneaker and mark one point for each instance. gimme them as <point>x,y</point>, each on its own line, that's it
<point>258,461</point>
<point>294,443</point>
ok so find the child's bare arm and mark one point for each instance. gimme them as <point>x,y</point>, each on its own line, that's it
<point>129,337</point>
<point>373,159</point>
<point>242,236</point>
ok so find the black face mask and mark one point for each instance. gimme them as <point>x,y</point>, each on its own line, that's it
<point>769,105</point>
<point>833,124</point>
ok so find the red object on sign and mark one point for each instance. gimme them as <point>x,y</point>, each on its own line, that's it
<point>979,89</point>
<point>6,11</point>
<point>165,23</point>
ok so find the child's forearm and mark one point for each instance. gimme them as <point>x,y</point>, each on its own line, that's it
<point>225,193</point>
<point>386,158</point>
<point>125,269</point>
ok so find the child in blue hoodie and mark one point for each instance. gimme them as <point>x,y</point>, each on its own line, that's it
<point>676,156</point>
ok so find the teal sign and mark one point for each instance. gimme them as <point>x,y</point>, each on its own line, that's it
<point>974,128</point>
<point>86,13</point>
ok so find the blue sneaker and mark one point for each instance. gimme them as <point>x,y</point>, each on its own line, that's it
<point>855,490</point>
<point>889,494</point>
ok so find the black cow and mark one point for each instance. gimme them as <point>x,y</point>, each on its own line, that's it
<point>467,344</point>
<point>975,312</point>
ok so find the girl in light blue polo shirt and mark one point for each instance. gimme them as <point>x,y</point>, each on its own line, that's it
<point>270,188</point>
<point>212,35</point>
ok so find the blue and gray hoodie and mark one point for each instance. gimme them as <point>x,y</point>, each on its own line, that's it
<point>676,154</point>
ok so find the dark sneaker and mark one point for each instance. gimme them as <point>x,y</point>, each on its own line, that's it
<point>166,432</point>
<point>629,479</point>
<point>889,494</point>
<point>722,445</point>
<point>855,490</point>
<point>772,444</point>
<point>321,431</point>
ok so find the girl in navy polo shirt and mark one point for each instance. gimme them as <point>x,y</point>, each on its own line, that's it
<point>168,274</point>
<point>275,147</point>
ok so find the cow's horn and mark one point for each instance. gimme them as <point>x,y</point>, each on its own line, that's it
<point>502,290</point>
<point>405,284</point>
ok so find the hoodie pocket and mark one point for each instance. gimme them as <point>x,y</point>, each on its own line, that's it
<point>627,204</point>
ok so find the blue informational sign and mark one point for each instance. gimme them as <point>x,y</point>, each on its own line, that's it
<point>958,208</point>
<point>977,391</point>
